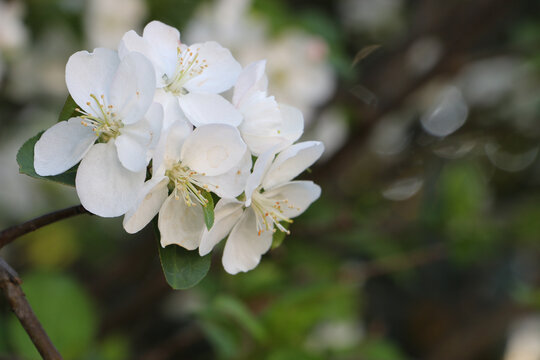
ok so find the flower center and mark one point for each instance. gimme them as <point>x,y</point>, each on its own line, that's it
<point>184,183</point>
<point>188,66</point>
<point>103,120</point>
<point>269,212</point>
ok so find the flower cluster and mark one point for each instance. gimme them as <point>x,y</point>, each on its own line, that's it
<point>157,134</point>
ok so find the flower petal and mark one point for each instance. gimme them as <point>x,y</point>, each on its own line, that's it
<point>170,145</point>
<point>181,224</point>
<point>91,73</point>
<point>154,118</point>
<point>252,78</point>
<point>132,152</point>
<point>222,70</point>
<point>203,109</point>
<point>293,123</point>
<point>232,183</point>
<point>104,186</point>
<point>291,162</point>
<point>132,89</point>
<point>227,213</point>
<point>299,195</point>
<point>213,149</point>
<point>159,44</point>
<point>152,196</point>
<point>62,146</point>
<point>259,171</point>
<point>244,247</point>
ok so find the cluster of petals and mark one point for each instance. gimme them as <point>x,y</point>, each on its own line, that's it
<point>158,131</point>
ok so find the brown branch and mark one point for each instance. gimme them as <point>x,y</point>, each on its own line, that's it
<point>10,234</point>
<point>10,284</point>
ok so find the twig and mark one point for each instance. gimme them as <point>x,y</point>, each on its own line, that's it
<point>16,231</point>
<point>10,284</point>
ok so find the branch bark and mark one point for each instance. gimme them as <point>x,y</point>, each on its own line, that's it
<point>10,234</point>
<point>10,285</point>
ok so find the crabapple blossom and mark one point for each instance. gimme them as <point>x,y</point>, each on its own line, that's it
<point>116,111</point>
<point>271,198</point>
<point>211,158</point>
<point>194,75</point>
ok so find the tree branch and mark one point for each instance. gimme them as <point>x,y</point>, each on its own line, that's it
<point>10,284</point>
<point>10,234</point>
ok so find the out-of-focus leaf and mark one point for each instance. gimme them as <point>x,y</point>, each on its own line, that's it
<point>241,314</point>
<point>65,311</point>
<point>25,159</point>
<point>293,354</point>
<point>364,53</point>
<point>279,236</point>
<point>182,268</point>
<point>381,350</point>
<point>224,341</point>
<point>208,210</point>
<point>68,110</point>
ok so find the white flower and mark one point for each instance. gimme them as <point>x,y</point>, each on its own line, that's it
<point>211,157</point>
<point>266,124</point>
<point>195,74</point>
<point>115,99</point>
<point>271,198</point>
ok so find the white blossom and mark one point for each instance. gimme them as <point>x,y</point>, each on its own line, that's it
<point>195,75</point>
<point>115,99</point>
<point>271,199</point>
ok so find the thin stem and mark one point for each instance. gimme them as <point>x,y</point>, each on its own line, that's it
<point>10,234</point>
<point>10,284</point>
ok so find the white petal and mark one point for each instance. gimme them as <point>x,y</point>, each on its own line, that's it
<point>252,78</point>
<point>259,171</point>
<point>154,118</point>
<point>213,149</point>
<point>159,44</point>
<point>131,152</point>
<point>244,247</point>
<point>149,201</point>
<point>222,70</point>
<point>171,108</point>
<point>291,162</point>
<point>203,109</point>
<point>62,146</point>
<point>170,145</point>
<point>91,73</point>
<point>181,224</point>
<point>133,87</point>
<point>299,195</point>
<point>232,183</point>
<point>226,214</point>
<point>293,123</point>
<point>104,186</point>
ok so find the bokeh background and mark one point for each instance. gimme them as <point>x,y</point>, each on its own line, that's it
<point>425,243</point>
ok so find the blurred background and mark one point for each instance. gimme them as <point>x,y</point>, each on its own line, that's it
<point>425,243</point>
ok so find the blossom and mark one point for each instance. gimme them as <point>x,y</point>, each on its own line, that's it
<point>266,124</point>
<point>115,99</point>
<point>210,158</point>
<point>271,199</point>
<point>195,75</point>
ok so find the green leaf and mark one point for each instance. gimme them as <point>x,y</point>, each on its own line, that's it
<point>279,236</point>
<point>208,210</point>
<point>182,268</point>
<point>25,159</point>
<point>68,110</point>
<point>235,309</point>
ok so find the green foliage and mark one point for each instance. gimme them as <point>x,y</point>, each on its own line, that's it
<point>182,268</point>
<point>208,210</point>
<point>68,110</point>
<point>25,159</point>
<point>65,311</point>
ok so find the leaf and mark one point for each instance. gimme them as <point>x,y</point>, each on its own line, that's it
<point>25,159</point>
<point>68,110</point>
<point>208,210</point>
<point>235,309</point>
<point>279,236</point>
<point>182,268</point>
<point>363,53</point>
